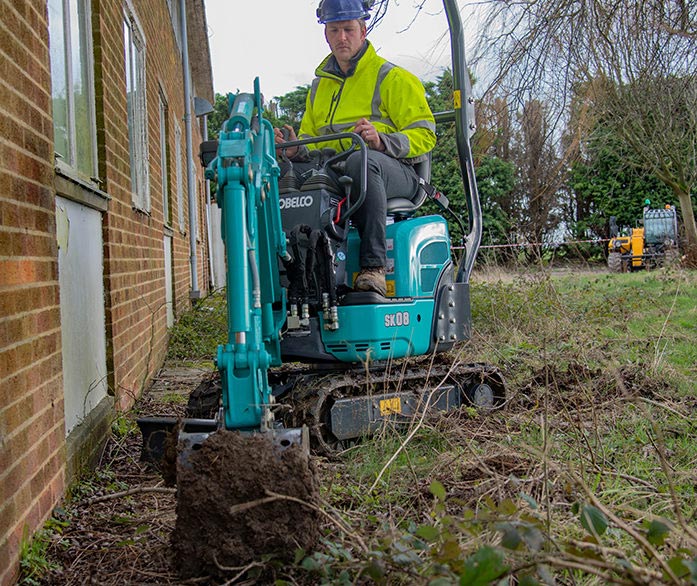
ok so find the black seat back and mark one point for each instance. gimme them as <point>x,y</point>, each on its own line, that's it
<point>398,204</point>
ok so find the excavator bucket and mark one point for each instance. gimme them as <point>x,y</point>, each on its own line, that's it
<point>240,495</point>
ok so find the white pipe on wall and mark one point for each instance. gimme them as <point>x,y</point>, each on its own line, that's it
<point>195,293</point>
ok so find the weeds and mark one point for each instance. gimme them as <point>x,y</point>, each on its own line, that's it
<point>587,476</point>
<point>35,562</point>
<point>195,337</point>
<point>123,425</point>
<point>175,398</point>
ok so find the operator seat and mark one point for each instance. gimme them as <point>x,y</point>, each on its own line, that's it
<point>403,207</point>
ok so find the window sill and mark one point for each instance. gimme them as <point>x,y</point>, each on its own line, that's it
<point>139,210</point>
<point>80,191</point>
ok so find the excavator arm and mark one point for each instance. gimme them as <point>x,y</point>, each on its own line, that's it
<point>246,173</point>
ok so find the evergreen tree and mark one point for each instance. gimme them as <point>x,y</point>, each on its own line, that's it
<point>612,185</point>
<point>217,116</point>
<point>290,107</point>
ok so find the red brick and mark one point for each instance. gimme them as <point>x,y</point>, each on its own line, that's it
<point>23,299</point>
<point>29,469</point>
<point>8,562</point>
<point>52,493</point>
<point>8,513</point>
<point>25,271</point>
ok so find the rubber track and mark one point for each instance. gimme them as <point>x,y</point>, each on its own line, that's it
<point>312,392</point>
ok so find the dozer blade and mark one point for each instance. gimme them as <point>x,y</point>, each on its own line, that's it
<point>243,496</point>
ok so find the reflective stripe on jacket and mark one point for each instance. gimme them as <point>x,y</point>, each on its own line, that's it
<point>390,97</point>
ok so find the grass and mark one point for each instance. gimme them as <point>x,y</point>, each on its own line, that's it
<point>644,317</point>
<point>587,476</point>
<point>174,398</point>
<point>195,337</point>
<point>35,562</point>
<point>594,450</point>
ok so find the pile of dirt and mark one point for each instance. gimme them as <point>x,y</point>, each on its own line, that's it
<point>576,385</point>
<point>238,499</point>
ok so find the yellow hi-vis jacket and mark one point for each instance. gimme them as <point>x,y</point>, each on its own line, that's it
<point>390,97</point>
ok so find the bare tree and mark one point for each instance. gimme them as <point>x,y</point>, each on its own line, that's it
<point>540,177</point>
<point>524,137</point>
<point>494,129</point>
<point>638,60</point>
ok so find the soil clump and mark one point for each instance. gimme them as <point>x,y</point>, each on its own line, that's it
<point>239,498</point>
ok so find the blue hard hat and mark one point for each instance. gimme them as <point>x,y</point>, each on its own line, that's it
<point>335,10</point>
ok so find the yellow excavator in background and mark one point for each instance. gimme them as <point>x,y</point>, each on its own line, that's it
<point>652,244</point>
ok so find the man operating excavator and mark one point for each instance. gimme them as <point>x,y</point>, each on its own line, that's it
<point>355,90</point>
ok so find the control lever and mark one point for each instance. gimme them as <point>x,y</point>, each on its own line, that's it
<point>346,182</point>
<point>334,229</point>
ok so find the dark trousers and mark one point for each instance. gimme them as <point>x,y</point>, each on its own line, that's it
<point>386,176</point>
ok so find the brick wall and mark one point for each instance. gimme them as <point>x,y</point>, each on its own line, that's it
<point>31,407</point>
<point>32,427</point>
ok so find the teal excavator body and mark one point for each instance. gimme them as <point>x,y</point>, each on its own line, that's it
<point>325,321</point>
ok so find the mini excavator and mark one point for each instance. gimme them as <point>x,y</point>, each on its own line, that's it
<point>309,361</point>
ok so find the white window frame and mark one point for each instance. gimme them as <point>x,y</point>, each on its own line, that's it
<point>136,105</point>
<point>179,174</point>
<point>164,163</point>
<point>75,15</point>
<point>175,18</point>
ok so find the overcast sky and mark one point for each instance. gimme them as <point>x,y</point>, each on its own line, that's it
<point>281,42</point>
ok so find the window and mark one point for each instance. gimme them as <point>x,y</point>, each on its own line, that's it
<point>179,174</point>
<point>72,87</point>
<point>164,164</point>
<point>197,202</point>
<point>134,57</point>
<point>175,17</point>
